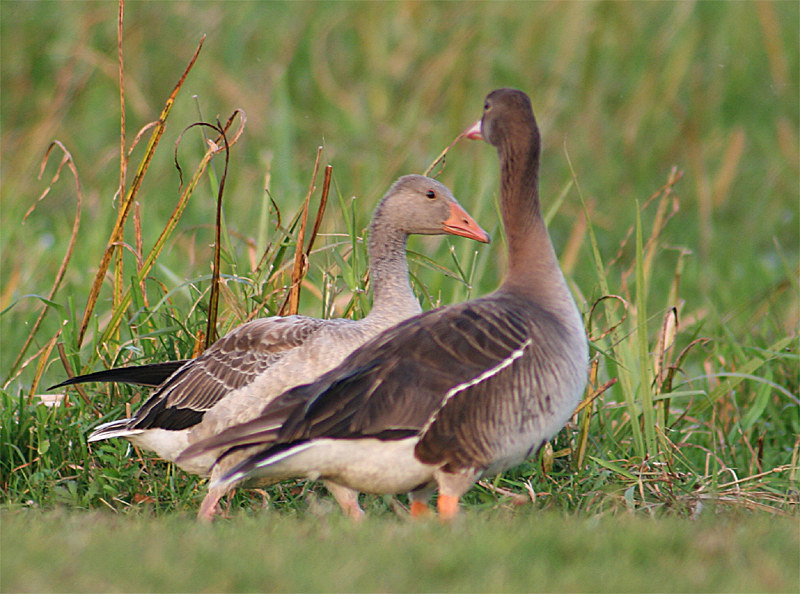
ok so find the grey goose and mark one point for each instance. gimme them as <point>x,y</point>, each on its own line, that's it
<point>450,395</point>
<point>234,378</point>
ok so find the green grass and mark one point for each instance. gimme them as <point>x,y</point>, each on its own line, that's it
<point>670,177</point>
<point>485,552</point>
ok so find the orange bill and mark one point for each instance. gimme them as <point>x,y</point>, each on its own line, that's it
<point>460,223</point>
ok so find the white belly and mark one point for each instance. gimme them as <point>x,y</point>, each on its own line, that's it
<point>168,444</point>
<point>366,465</point>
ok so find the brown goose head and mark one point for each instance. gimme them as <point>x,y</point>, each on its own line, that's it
<point>508,124</point>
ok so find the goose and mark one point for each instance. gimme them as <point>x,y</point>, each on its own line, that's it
<point>447,396</point>
<point>231,381</point>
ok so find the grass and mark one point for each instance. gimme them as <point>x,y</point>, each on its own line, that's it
<point>670,180</point>
<point>498,551</point>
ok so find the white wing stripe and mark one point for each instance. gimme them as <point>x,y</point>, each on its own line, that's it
<point>484,376</point>
<point>229,479</point>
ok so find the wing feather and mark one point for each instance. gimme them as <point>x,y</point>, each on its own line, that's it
<point>231,363</point>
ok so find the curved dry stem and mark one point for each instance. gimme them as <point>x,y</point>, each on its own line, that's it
<point>66,159</point>
<point>214,148</point>
<point>442,158</point>
<point>213,306</point>
<point>611,329</point>
<point>149,261</point>
<point>213,302</point>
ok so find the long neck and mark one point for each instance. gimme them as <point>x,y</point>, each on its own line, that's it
<point>532,264</point>
<point>392,297</point>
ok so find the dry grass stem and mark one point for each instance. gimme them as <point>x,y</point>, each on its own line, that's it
<point>323,201</point>
<point>292,302</point>
<point>442,157</point>
<point>616,324</point>
<point>213,301</point>
<point>66,159</point>
<point>123,162</point>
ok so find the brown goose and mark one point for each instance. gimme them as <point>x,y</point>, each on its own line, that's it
<point>449,395</point>
<point>233,379</point>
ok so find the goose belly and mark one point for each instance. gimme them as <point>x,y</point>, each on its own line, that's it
<point>168,444</point>
<point>366,465</point>
<point>513,454</point>
<point>537,424</point>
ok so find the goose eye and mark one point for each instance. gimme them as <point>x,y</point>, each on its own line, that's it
<point>486,106</point>
<point>430,194</point>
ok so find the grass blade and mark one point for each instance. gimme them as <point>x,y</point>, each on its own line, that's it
<point>645,388</point>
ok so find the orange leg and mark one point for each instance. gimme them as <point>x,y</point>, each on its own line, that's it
<point>447,506</point>
<point>419,509</point>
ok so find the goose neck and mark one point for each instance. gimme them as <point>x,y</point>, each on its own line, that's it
<point>391,291</point>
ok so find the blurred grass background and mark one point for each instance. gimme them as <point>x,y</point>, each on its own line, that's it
<point>623,92</point>
<point>626,91</point>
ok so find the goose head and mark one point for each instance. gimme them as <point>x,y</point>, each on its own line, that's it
<point>420,205</point>
<point>507,122</point>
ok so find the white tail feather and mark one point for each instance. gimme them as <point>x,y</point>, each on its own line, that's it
<point>118,428</point>
<point>237,475</point>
